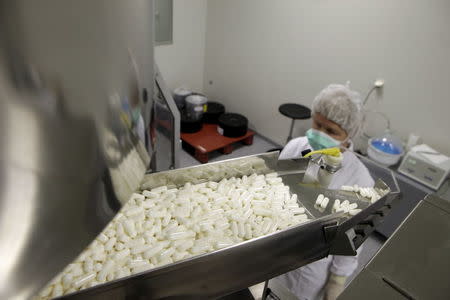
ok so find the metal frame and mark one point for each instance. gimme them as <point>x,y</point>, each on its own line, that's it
<point>176,147</point>
<point>224,271</point>
<point>290,131</point>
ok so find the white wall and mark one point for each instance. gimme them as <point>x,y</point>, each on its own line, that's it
<point>182,63</point>
<point>261,53</point>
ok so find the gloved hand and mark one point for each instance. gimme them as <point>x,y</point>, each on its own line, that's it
<point>334,287</point>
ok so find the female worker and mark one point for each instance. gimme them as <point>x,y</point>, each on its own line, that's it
<point>337,118</point>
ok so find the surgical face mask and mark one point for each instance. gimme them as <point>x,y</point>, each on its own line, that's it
<point>320,140</point>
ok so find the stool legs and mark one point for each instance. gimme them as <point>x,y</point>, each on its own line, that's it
<point>201,156</point>
<point>248,140</point>
<point>227,149</point>
<point>290,131</point>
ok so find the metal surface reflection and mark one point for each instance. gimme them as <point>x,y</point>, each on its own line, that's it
<point>218,273</point>
<point>72,76</point>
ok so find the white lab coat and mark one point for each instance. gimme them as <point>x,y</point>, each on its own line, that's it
<point>307,281</point>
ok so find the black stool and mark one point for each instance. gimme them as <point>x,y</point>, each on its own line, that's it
<point>295,112</point>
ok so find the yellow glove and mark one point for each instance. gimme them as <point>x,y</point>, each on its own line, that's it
<point>334,287</point>
<point>330,151</point>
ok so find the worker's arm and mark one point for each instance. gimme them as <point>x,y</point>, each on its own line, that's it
<point>343,266</point>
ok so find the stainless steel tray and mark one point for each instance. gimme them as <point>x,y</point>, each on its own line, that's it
<point>221,272</point>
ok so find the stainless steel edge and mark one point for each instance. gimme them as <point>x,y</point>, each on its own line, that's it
<point>221,272</point>
<point>224,271</point>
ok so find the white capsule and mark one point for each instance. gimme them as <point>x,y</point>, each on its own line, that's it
<point>241,228</point>
<point>84,279</point>
<point>274,180</point>
<point>324,203</point>
<point>119,246</point>
<point>166,253</point>
<point>341,209</point>
<point>46,291</point>
<point>186,246</point>
<point>110,244</point>
<point>93,283</point>
<point>69,291</point>
<point>266,226</point>
<point>319,199</point>
<point>300,210</point>
<point>302,217</point>
<point>67,280</point>
<point>180,255</point>
<point>181,235</point>
<point>262,212</point>
<point>88,265</point>
<point>136,242</point>
<point>77,270</point>
<point>102,238</point>
<point>234,228</point>
<point>140,249</point>
<point>167,261</point>
<point>153,251</point>
<point>149,194</point>
<point>133,211</point>
<point>294,198</point>
<point>258,202</point>
<point>142,268</point>
<point>133,263</point>
<point>111,276</point>
<point>110,232</point>
<point>291,206</point>
<point>274,226</point>
<point>159,190</point>
<point>248,231</point>
<point>352,206</point>
<point>106,269</point>
<point>374,199</point>
<point>124,239</point>
<point>336,205</point>
<point>345,203</point>
<point>272,175</point>
<point>363,192</point>
<point>129,227</point>
<point>98,267</point>
<point>347,188</point>
<point>353,212</point>
<point>259,195</point>
<point>122,254</point>
<point>57,290</point>
<point>136,196</point>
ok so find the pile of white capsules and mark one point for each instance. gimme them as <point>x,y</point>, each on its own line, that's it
<point>208,172</point>
<point>366,192</point>
<point>345,206</point>
<point>160,226</point>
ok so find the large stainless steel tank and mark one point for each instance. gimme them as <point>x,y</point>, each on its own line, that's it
<point>71,73</point>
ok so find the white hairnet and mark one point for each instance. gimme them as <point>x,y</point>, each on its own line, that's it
<point>338,103</point>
